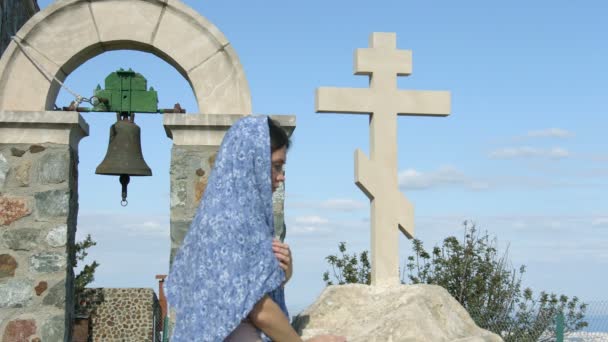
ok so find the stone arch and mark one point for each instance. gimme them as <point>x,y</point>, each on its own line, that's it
<point>68,33</point>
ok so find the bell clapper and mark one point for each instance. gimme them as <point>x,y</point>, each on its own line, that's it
<point>124,181</point>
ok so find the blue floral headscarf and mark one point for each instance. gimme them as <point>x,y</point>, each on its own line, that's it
<point>226,263</point>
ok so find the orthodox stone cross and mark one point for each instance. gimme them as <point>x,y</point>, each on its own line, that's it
<point>377,176</point>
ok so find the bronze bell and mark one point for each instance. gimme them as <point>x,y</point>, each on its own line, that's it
<point>124,157</point>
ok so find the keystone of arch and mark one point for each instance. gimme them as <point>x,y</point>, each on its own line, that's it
<point>69,32</point>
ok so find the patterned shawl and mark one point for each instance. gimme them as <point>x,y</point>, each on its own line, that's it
<point>226,263</point>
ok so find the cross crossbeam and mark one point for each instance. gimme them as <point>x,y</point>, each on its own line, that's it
<point>377,176</point>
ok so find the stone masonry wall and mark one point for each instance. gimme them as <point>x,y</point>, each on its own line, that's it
<point>190,170</point>
<point>37,196</point>
<point>126,315</point>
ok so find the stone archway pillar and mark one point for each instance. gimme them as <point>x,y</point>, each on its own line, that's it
<point>196,140</point>
<point>40,200</point>
<point>38,206</point>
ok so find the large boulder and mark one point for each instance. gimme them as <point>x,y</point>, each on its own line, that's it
<point>364,313</point>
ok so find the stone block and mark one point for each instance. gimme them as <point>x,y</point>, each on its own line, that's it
<point>6,315</point>
<point>16,293</point>
<point>56,295</point>
<point>188,52</point>
<point>220,81</point>
<point>174,249</point>
<point>65,32</point>
<point>12,209</point>
<point>58,236</point>
<point>41,287</point>
<point>36,149</point>
<point>28,86</point>
<point>179,194</point>
<point>119,20</point>
<point>190,172</point>
<point>19,330</point>
<point>53,203</point>
<point>178,166</point>
<point>17,152</point>
<point>22,239</point>
<point>8,265</point>
<point>179,230</point>
<point>47,262</point>
<point>22,174</point>
<point>204,131</point>
<point>49,127</point>
<point>53,329</point>
<point>199,189</point>
<point>4,167</point>
<point>53,168</point>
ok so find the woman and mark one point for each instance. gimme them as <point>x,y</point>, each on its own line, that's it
<point>226,280</point>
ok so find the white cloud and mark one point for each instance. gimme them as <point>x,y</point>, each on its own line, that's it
<point>550,133</point>
<point>311,220</point>
<point>558,152</point>
<point>411,178</point>
<point>149,228</point>
<point>297,229</point>
<point>343,204</point>
<point>316,225</point>
<point>450,176</point>
<point>529,152</point>
<point>336,204</point>
<point>109,224</point>
<point>600,222</point>
<point>445,175</point>
<point>151,224</point>
<point>307,225</point>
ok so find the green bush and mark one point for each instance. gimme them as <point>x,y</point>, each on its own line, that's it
<point>348,269</point>
<point>85,276</point>
<point>482,280</point>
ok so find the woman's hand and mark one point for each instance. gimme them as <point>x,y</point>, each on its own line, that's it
<point>327,338</point>
<point>283,255</point>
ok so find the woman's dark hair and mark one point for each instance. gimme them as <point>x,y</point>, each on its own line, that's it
<point>278,136</point>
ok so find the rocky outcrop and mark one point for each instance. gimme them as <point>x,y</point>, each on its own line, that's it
<point>398,313</point>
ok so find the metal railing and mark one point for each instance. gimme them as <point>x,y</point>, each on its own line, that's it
<point>550,326</point>
<point>596,317</point>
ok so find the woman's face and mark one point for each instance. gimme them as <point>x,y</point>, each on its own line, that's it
<point>277,160</point>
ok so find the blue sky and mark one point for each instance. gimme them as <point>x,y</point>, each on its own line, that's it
<point>523,153</point>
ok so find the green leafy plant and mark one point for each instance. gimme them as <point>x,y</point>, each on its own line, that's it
<point>489,288</point>
<point>348,269</point>
<point>482,280</point>
<point>85,276</point>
